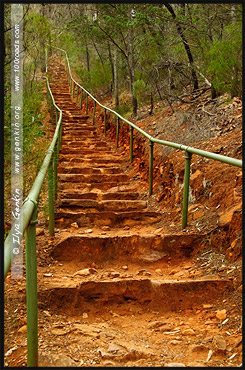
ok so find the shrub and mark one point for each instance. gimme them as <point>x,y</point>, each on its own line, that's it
<point>226,61</point>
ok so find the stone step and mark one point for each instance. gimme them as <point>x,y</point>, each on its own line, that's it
<point>79,130</point>
<point>99,162</point>
<point>76,194</point>
<point>74,111</point>
<point>58,90</point>
<point>82,143</point>
<point>90,159</point>
<point>92,178</point>
<point>76,125</point>
<point>88,170</point>
<point>65,217</point>
<point>69,117</point>
<point>86,144</point>
<point>84,150</point>
<point>83,133</point>
<point>104,205</point>
<point>132,247</point>
<point>60,94</point>
<point>88,134</point>
<point>77,133</point>
<point>74,115</point>
<point>162,295</point>
<point>95,186</point>
<point>89,140</point>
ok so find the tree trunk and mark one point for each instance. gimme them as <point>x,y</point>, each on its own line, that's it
<point>87,59</point>
<point>112,66</point>
<point>209,27</point>
<point>213,92</point>
<point>186,45</point>
<point>132,71</point>
<point>115,80</point>
<point>151,108</point>
<point>98,53</point>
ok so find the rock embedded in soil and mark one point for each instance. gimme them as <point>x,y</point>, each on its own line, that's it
<point>188,331</point>
<point>105,228</point>
<point>74,224</point>
<point>164,328</point>
<point>39,232</point>
<point>157,324</point>
<point>56,360</point>
<point>221,314</point>
<point>109,363</point>
<point>207,305</point>
<point>113,350</point>
<point>58,331</point>
<point>144,272</point>
<point>175,342</point>
<point>219,343</point>
<point>23,329</point>
<point>85,272</point>
<point>113,274</point>
<point>89,231</point>
<point>175,364</point>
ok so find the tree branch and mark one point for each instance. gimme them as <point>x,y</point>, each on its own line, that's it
<point>113,41</point>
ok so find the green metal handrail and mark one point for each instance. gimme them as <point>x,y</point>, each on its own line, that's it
<point>28,214</point>
<point>187,149</point>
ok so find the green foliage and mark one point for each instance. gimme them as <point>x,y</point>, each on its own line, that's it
<point>123,109</point>
<point>32,121</point>
<point>33,154</point>
<point>36,35</point>
<point>225,65</point>
<point>141,91</point>
<point>148,31</point>
<point>66,41</point>
<point>100,76</point>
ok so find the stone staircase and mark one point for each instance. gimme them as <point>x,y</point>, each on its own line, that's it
<point>113,262</point>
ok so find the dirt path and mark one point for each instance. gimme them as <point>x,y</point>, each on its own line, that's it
<point>116,285</point>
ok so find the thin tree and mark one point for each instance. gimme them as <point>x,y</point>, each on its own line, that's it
<point>186,45</point>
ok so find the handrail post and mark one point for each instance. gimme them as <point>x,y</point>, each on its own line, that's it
<point>186,188</point>
<point>47,91</point>
<point>151,167</point>
<point>94,111</point>
<point>52,112</point>
<point>117,131</point>
<point>87,104</point>
<point>51,198</point>
<point>70,86</point>
<point>60,134</point>
<point>131,143</point>
<point>56,148</point>
<point>56,116</point>
<point>81,102</point>
<point>31,291</point>
<point>73,91</point>
<point>77,94</point>
<point>58,143</point>
<point>105,121</point>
